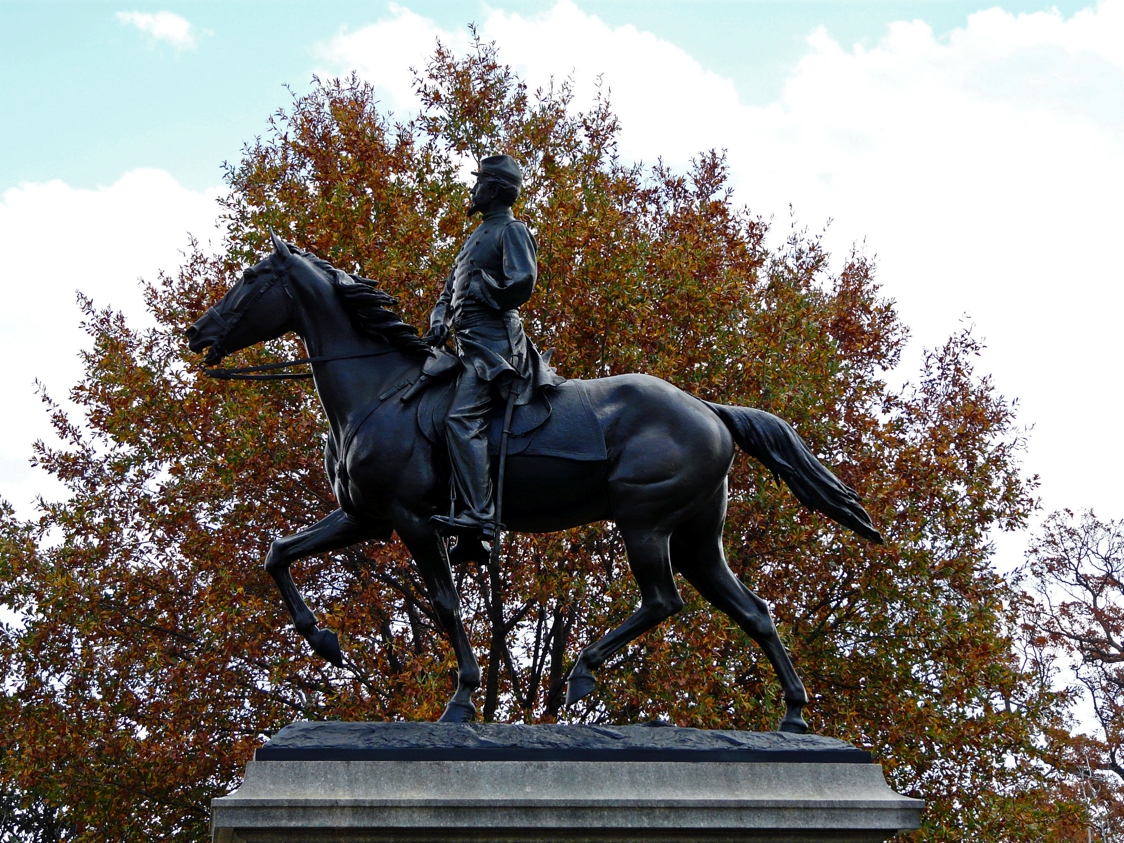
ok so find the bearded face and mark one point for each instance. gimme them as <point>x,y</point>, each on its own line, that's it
<point>481,197</point>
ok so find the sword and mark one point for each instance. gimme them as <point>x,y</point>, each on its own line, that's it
<point>505,436</point>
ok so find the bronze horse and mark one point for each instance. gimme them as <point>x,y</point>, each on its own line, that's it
<point>663,482</point>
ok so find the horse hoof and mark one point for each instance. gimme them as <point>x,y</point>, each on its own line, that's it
<point>793,723</point>
<point>326,644</point>
<point>458,712</point>
<point>578,687</point>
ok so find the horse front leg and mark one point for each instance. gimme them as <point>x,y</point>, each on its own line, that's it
<point>337,531</point>
<point>429,553</point>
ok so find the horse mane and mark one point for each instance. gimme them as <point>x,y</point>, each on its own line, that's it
<point>367,306</point>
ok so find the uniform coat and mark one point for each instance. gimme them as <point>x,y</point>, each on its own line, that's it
<point>494,274</point>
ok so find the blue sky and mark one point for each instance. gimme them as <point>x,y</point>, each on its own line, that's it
<point>976,149</point>
<point>85,97</point>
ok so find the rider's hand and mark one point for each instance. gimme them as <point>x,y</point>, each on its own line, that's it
<point>437,335</point>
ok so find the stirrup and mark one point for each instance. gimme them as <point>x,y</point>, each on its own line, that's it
<point>449,527</point>
<point>470,549</point>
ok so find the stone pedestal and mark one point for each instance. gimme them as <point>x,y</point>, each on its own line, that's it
<point>320,782</point>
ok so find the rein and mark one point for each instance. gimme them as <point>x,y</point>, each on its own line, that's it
<point>249,373</point>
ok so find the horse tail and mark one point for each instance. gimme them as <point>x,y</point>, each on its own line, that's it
<point>773,443</point>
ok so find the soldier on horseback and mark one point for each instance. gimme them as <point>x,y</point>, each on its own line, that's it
<point>493,275</point>
<point>661,456</point>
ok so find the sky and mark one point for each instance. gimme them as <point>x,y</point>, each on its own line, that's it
<point>977,150</point>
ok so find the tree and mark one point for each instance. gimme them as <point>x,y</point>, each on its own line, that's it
<point>1077,569</point>
<point>152,653</point>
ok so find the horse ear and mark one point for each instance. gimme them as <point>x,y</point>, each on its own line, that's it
<point>279,245</point>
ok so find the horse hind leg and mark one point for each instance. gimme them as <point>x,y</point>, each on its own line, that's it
<point>336,531</point>
<point>649,559</point>
<point>696,551</point>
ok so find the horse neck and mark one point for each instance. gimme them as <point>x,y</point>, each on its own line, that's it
<point>347,387</point>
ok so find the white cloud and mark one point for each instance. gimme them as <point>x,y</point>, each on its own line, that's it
<point>645,74</point>
<point>162,26</point>
<point>984,169</point>
<point>56,240</point>
<point>385,51</point>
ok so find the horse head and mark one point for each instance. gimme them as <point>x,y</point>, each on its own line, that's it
<point>293,290</point>
<point>257,308</point>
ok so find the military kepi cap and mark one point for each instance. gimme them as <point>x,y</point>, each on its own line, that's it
<point>501,167</point>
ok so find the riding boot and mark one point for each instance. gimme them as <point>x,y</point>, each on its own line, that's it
<point>466,434</point>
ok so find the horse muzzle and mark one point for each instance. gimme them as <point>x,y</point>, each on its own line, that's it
<point>200,339</point>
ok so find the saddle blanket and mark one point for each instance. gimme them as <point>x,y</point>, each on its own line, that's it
<point>558,423</point>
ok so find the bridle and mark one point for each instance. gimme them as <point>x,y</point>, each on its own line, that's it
<point>247,373</point>
<point>255,373</point>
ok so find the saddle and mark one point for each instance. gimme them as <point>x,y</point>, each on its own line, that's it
<point>558,422</point>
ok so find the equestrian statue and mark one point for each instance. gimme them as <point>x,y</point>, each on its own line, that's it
<point>430,444</point>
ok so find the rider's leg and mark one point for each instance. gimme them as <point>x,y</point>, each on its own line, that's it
<point>466,433</point>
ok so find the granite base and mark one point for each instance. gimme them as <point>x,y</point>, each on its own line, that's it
<point>320,782</point>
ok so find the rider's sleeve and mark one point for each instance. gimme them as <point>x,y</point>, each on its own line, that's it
<point>520,268</point>
<point>441,310</point>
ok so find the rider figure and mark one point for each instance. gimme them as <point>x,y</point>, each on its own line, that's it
<point>494,273</point>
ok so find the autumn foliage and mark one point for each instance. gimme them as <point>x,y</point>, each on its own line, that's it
<point>149,652</point>
<point>1076,572</point>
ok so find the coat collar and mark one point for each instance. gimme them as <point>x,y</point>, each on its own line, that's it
<point>500,213</point>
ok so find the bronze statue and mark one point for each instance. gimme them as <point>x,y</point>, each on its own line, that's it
<point>494,274</point>
<point>630,448</point>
